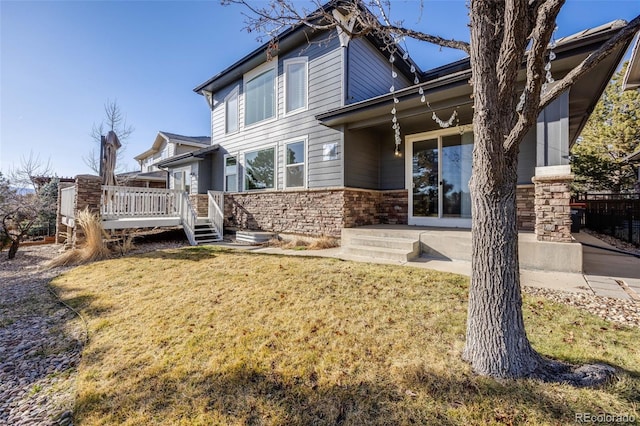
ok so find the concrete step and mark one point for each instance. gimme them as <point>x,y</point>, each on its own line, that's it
<point>401,255</point>
<point>409,244</point>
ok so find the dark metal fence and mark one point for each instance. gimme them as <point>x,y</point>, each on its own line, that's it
<point>617,215</point>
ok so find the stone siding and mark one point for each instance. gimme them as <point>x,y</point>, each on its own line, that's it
<point>88,195</point>
<point>553,213</point>
<point>297,212</point>
<point>394,207</point>
<point>525,203</point>
<point>200,203</point>
<point>314,212</point>
<point>360,208</point>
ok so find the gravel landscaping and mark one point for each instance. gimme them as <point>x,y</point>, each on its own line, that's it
<point>42,339</point>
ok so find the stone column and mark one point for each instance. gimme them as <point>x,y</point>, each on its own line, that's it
<point>552,198</point>
<point>88,195</point>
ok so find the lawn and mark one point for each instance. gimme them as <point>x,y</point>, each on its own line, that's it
<point>206,336</point>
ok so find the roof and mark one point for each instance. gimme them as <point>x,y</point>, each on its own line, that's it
<point>632,75</point>
<point>634,157</point>
<point>162,137</point>
<point>158,175</point>
<point>447,87</point>
<point>288,40</point>
<point>188,157</point>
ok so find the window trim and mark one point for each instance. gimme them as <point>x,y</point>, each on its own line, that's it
<point>250,75</point>
<point>305,141</point>
<point>236,92</point>
<point>275,168</point>
<point>237,174</point>
<point>298,60</point>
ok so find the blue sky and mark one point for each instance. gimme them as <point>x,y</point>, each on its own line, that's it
<point>60,61</point>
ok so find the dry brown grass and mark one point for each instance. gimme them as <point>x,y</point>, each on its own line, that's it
<point>202,336</point>
<point>323,243</point>
<point>293,242</point>
<point>93,248</point>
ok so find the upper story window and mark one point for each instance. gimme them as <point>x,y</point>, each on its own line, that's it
<point>260,169</point>
<point>231,112</point>
<point>296,84</point>
<point>260,93</point>
<point>295,154</point>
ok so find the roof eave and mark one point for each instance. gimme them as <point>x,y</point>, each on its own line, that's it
<point>631,79</point>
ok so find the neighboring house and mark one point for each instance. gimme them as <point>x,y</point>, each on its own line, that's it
<point>167,147</point>
<point>303,142</point>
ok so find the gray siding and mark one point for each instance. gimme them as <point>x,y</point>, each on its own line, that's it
<point>392,168</point>
<point>362,158</point>
<point>369,72</point>
<point>553,133</point>
<point>371,162</point>
<point>325,88</point>
<point>527,158</point>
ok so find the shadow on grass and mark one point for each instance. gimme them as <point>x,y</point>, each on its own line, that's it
<point>247,396</point>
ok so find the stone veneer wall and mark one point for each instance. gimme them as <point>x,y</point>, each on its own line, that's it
<point>200,203</point>
<point>394,207</point>
<point>553,212</point>
<point>314,212</point>
<point>88,194</point>
<point>326,212</point>
<point>525,203</point>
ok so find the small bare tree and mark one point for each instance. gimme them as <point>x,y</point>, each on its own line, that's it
<point>114,120</point>
<point>22,201</point>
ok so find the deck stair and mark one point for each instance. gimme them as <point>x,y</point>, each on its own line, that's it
<point>205,232</point>
<point>400,248</point>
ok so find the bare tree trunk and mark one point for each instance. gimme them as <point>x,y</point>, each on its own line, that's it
<point>13,250</point>
<point>496,345</point>
<point>496,341</point>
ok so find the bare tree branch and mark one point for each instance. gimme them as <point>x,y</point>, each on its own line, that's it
<point>280,14</point>
<point>114,120</point>
<point>624,35</point>
<point>23,176</point>
<point>532,110</point>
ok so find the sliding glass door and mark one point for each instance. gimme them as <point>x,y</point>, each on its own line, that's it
<point>440,169</point>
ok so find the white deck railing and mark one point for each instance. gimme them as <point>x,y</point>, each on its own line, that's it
<point>189,217</point>
<point>128,201</point>
<point>216,210</point>
<point>67,202</point>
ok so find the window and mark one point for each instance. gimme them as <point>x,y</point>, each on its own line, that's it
<point>295,71</point>
<point>259,169</point>
<point>295,164</point>
<point>260,93</point>
<point>230,173</point>
<point>231,112</point>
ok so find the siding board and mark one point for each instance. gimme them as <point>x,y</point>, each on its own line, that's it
<point>369,72</point>
<point>325,73</point>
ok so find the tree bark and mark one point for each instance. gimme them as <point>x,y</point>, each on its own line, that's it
<point>496,341</point>
<point>13,250</point>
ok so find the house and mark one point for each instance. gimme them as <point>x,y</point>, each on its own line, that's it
<point>323,134</point>
<point>168,147</point>
<point>302,141</point>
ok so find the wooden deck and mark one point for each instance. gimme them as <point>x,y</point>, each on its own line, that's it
<point>133,208</point>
